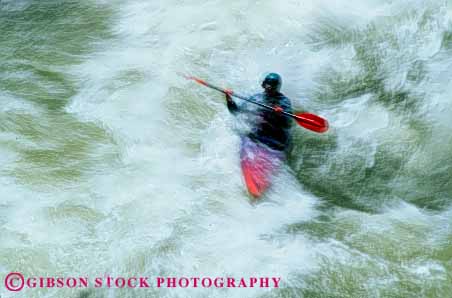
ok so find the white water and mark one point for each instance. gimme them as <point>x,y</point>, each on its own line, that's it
<point>171,201</point>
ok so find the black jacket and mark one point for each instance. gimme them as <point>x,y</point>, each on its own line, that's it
<point>268,127</point>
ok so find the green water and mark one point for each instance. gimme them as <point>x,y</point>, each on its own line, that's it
<point>111,163</point>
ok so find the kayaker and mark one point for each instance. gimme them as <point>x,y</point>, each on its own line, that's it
<point>270,127</point>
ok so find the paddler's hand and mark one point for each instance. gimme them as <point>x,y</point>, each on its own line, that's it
<point>278,109</point>
<point>228,93</point>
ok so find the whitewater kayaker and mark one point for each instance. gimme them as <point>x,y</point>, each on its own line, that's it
<point>270,127</point>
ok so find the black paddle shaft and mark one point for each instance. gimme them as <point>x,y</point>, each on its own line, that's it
<point>232,93</point>
<point>317,124</point>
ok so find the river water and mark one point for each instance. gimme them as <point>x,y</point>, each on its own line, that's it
<point>111,163</point>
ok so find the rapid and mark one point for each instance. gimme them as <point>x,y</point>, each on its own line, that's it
<point>111,163</point>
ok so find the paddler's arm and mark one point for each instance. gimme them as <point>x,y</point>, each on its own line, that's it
<point>232,106</point>
<point>285,105</point>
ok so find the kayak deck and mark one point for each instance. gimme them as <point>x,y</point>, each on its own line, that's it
<point>259,163</point>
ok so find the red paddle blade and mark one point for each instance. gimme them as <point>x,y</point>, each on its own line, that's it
<point>312,122</point>
<point>198,80</point>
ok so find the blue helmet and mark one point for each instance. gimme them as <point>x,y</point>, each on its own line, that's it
<point>272,82</point>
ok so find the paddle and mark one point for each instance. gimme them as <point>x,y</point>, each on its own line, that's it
<point>306,120</point>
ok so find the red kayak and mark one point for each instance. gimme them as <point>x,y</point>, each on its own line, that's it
<point>259,163</point>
